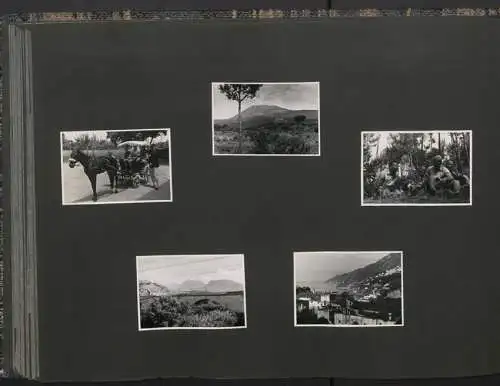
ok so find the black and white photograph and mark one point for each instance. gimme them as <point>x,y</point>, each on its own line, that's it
<point>416,168</point>
<point>266,119</point>
<point>348,289</point>
<point>116,166</point>
<point>191,292</point>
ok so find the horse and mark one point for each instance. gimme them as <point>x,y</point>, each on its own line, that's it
<point>93,166</point>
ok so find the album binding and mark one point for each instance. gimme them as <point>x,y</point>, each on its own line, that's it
<point>21,335</point>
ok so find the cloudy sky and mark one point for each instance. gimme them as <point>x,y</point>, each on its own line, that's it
<point>293,96</point>
<point>177,269</point>
<point>321,266</point>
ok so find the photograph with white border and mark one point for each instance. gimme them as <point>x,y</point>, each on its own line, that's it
<point>116,166</point>
<point>416,168</point>
<point>191,292</point>
<point>265,119</point>
<point>348,289</point>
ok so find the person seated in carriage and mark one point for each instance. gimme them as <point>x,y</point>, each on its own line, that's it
<point>134,153</point>
<point>138,156</point>
<point>128,157</point>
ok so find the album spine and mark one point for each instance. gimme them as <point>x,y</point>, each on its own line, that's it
<point>2,203</point>
<point>20,210</point>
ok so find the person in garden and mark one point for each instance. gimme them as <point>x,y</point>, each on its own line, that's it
<point>392,179</point>
<point>439,178</point>
<point>457,174</point>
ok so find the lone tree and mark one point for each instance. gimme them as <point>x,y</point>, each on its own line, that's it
<point>299,119</point>
<point>240,93</point>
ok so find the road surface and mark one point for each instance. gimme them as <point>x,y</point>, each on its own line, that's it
<point>77,189</point>
<point>340,319</point>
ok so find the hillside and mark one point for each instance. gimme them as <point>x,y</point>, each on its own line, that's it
<point>213,286</point>
<point>384,267</point>
<point>317,285</point>
<point>150,288</point>
<point>191,285</point>
<point>258,115</point>
<point>223,286</point>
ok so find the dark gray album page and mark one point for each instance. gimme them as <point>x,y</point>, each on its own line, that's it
<point>383,74</point>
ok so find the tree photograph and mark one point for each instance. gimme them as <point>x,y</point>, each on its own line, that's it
<point>416,168</point>
<point>265,118</point>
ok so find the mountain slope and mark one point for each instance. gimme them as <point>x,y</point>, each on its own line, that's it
<point>223,286</point>
<point>258,115</point>
<point>386,265</point>
<point>191,285</point>
<point>150,288</point>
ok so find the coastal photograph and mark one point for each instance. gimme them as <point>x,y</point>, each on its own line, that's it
<point>348,289</point>
<point>266,119</point>
<point>116,166</point>
<point>416,168</point>
<point>191,292</point>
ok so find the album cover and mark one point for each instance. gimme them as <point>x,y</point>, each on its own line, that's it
<point>250,195</point>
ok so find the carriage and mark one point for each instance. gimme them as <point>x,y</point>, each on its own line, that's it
<point>132,174</point>
<point>135,172</point>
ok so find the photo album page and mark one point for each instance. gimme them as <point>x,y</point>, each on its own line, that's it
<point>267,198</point>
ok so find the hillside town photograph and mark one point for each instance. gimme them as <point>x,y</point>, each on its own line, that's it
<point>348,289</point>
<point>266,118</point>
<point>416,168</point>
<point>116,166</point>
<point>191,291</point>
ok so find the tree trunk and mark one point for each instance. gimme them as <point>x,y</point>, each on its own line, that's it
<point>456,144</point>
<point>466,148</point>
<point>240,145</point>
<point>439,142</point>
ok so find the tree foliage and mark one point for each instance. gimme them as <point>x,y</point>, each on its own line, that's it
<point>299,119</point>
<point>168,311</point>
<point>271,139</point>
<point>132,135</point>
<point>307,316</point>
<point>86,142</point>
<point>239,92</point>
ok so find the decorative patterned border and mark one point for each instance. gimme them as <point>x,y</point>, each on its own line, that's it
<point>136,15</point>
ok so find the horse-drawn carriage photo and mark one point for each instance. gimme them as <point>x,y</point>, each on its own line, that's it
<point>416,168</point>
<point>116,166</point>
